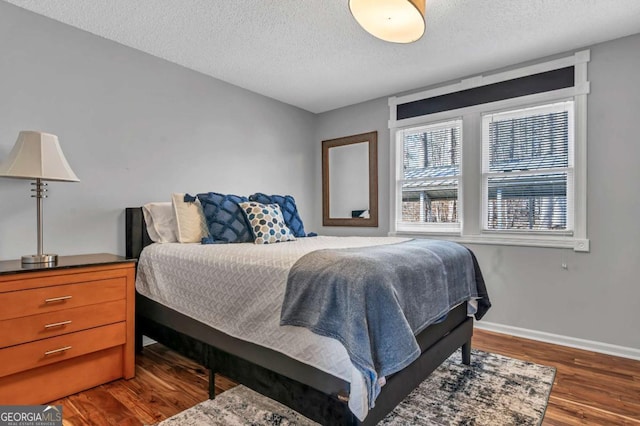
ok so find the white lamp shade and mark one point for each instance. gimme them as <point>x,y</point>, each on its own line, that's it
<point>397,21</point>
<point>37,155</point>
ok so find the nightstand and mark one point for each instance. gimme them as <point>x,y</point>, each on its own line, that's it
<point>65,328</point>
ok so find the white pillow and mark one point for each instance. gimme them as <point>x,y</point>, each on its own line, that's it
<point>191,224</point>
<point>161,222</point>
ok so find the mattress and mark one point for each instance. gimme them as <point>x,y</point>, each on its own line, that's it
<point>239,288</point>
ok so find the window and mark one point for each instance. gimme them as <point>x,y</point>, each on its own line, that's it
<point>430,175</point>
<point>528,169</point>
<point>496,159</point>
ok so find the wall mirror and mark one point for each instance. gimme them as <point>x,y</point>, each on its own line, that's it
<point>350,181</point>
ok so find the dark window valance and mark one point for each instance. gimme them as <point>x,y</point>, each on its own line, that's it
<point>529,85</point>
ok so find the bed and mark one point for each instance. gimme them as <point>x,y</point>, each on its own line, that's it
<point>317,391</point>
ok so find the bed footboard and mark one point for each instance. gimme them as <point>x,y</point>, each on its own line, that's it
<point>315,394</point>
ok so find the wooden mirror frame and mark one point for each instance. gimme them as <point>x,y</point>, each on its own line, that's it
<point>372,139</point>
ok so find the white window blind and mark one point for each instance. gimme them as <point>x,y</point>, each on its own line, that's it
<point>430,173</point>
<point>528,169</point>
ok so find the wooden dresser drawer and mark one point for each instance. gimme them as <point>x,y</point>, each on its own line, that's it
<point>34,327</point>
<point>16,304</point>
<point>48,383</point>
<point>23,357</point>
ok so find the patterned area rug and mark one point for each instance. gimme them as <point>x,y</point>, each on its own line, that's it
<point>494,390</point>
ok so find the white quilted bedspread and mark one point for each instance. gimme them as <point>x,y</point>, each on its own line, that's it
<point>239,288</point>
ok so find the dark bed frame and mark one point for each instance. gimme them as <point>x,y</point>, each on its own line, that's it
<point>307,390</point>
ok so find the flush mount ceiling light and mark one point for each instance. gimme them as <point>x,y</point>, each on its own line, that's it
<point>397,21</point>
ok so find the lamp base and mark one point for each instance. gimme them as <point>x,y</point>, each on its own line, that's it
<point>32,259</point>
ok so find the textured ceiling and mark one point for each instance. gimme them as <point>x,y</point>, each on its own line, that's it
<point>312,53</point>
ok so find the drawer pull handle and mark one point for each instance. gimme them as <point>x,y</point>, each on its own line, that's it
<point>55,351</point>
<point>57,324</point>
<point>57,299</point>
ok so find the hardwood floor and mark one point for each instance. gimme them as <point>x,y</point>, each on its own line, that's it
<point>589,388</point>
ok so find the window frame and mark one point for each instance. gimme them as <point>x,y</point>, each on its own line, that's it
<point>471,209</point>
<point>511,113</point>
<point>439,228</point>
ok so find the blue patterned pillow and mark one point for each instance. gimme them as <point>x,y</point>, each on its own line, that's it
<point>225,219</point>
<point>267,223</point>
<point>289,210</point>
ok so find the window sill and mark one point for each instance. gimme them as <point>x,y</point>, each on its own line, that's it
<point>419,228</point>
<point>577,244</point>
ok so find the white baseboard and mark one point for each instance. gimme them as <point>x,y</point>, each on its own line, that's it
<point>146,341</point>
<point>572,342</point>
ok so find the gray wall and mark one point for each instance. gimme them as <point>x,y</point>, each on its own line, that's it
<point>598,296</point>
<point>134,128</point>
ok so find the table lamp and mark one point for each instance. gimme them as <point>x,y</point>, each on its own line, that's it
<point>38,156</point>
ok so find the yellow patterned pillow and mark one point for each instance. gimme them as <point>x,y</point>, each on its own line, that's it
<point>267,223</point>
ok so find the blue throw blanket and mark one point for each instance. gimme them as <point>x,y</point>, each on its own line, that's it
<point>375,299</point>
